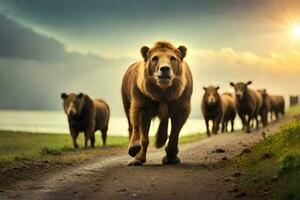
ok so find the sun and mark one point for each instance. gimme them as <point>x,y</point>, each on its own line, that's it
<point>295,31</point>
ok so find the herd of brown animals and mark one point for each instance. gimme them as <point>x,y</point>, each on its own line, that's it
<point>161,85</point>
<point>251,105</point>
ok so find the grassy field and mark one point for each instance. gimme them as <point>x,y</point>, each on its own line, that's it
<point>294,110</point>
<point>273,166</point>
<point>19,145</point>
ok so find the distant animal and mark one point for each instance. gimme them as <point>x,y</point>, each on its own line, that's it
<point>86,115</point>
<point>277,106</point>
<point>266,106</point>
<point>211,107</point>
<point>159,86</point>
<point>248,103</point>
<point>229,111</point>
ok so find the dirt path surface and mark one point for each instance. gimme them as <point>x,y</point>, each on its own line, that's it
<point>201,174</point>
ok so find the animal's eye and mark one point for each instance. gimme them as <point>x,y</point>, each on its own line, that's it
<point>173,58</point>
<point>154,59</point>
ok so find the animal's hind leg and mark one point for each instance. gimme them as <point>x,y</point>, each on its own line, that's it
<point>104,135</point>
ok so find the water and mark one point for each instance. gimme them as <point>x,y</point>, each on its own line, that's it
<point>56,122</point>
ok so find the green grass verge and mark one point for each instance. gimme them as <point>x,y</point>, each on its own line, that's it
<point>16,146</point>
<point>273,163</point>
<point>294,110</point>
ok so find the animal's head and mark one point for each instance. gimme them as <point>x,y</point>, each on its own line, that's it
<point>240,89</point>
<point>263,92</point>
<point>73,103</point>
<point>163,62</point>
<point>211,95</point>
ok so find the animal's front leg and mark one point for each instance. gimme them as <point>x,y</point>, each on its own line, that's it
<point>74,135</point>
<point>207,127</point>
<point>243,119</point>
<point>140,158</point>
<point>216,125</point>
<point>248,128</point>
<point>135,120</point>
<point>177,121</point>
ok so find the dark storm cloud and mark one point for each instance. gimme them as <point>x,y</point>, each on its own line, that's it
<point>35,69</point>
<point>18,41</point>
<point>70,13</point>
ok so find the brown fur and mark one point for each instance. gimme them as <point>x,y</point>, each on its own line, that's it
<point>229,111</point>
<point>86,116</point>
<point>148,91</point>
<point>266,107</point>
<point>211,108</point>
<point>248,103</point>
<point>277,106</point>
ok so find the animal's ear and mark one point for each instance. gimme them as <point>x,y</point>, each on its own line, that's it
<point>204,88</point>
<point>249,82</point>
<point>232,84</point>
<point>64,95</point>
<point>144,52</point>
<point>182,50</point>
<point>217,87</point>
<point>80,95</point>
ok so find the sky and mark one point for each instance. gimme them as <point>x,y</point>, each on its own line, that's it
<point>49,47</point>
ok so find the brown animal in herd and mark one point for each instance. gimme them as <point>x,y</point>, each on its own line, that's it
<point>277,106</point>
<point>159,86</point>
<point>211,108</point>
<point>265,107</point>
<point>229,111</point>
<point>86,115</point>
<point>220,109</point>
<point>248,103</point>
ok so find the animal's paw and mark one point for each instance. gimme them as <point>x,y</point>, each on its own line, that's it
<point>134,162</point>
<point>170,160</point>
<point>134,150</point>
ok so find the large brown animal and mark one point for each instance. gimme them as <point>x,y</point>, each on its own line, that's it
<point>161,85</point>
<point>248,103</point>
<point>277,106</point>
<point>211,108</point>
<point>86,115</point>
<point>229,111</point>
<point>265,107</point>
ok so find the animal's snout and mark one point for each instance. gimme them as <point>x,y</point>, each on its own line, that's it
<point>211,100</point>
<point>165,69</point>
<point>239,95</point>
<point>71,111</point>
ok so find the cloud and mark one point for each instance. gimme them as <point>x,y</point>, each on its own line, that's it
<point>18,41</point>
<point>35,69</point>
<point>276,62</point>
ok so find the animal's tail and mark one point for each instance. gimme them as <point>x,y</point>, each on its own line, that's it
<point>162,133</point>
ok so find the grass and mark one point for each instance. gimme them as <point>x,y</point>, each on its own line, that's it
<point>276,158</point>
<point>294,110</point>
<point>19,145</point>
<point>16,146</point>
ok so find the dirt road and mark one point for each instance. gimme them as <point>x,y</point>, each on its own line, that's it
<point>201,175</point>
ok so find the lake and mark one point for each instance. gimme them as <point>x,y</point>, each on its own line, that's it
<point>56,122</point>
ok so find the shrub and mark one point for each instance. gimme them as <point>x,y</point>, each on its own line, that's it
<point>288,162</point>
